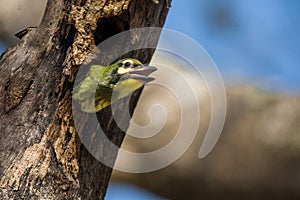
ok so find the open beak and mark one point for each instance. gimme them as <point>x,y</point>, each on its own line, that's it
<point>141,72</point>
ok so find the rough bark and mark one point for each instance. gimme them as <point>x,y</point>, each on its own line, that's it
<point>41,154</point>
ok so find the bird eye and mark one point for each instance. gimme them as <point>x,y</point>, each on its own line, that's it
<point>127,64</point>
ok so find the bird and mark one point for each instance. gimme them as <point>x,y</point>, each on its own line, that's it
<point>104,85</point>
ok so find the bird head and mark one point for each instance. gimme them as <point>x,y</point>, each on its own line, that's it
<point>129,69</point>
<point>104,85</point>
<point>125,76</point>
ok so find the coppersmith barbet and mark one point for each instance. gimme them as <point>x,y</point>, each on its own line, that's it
<point>105,85</point>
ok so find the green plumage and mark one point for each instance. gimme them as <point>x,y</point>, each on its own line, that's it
<point>104,85</point>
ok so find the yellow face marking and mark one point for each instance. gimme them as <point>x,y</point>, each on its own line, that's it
<point>123,70</point>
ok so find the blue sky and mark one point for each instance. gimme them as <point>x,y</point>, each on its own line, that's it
<point>121,191</point>
<point>2,47</point>
<point>251,41</point>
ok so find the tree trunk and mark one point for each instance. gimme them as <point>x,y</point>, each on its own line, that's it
<point>40,151</point>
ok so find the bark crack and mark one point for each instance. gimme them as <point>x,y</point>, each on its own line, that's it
<point>15,93</point>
